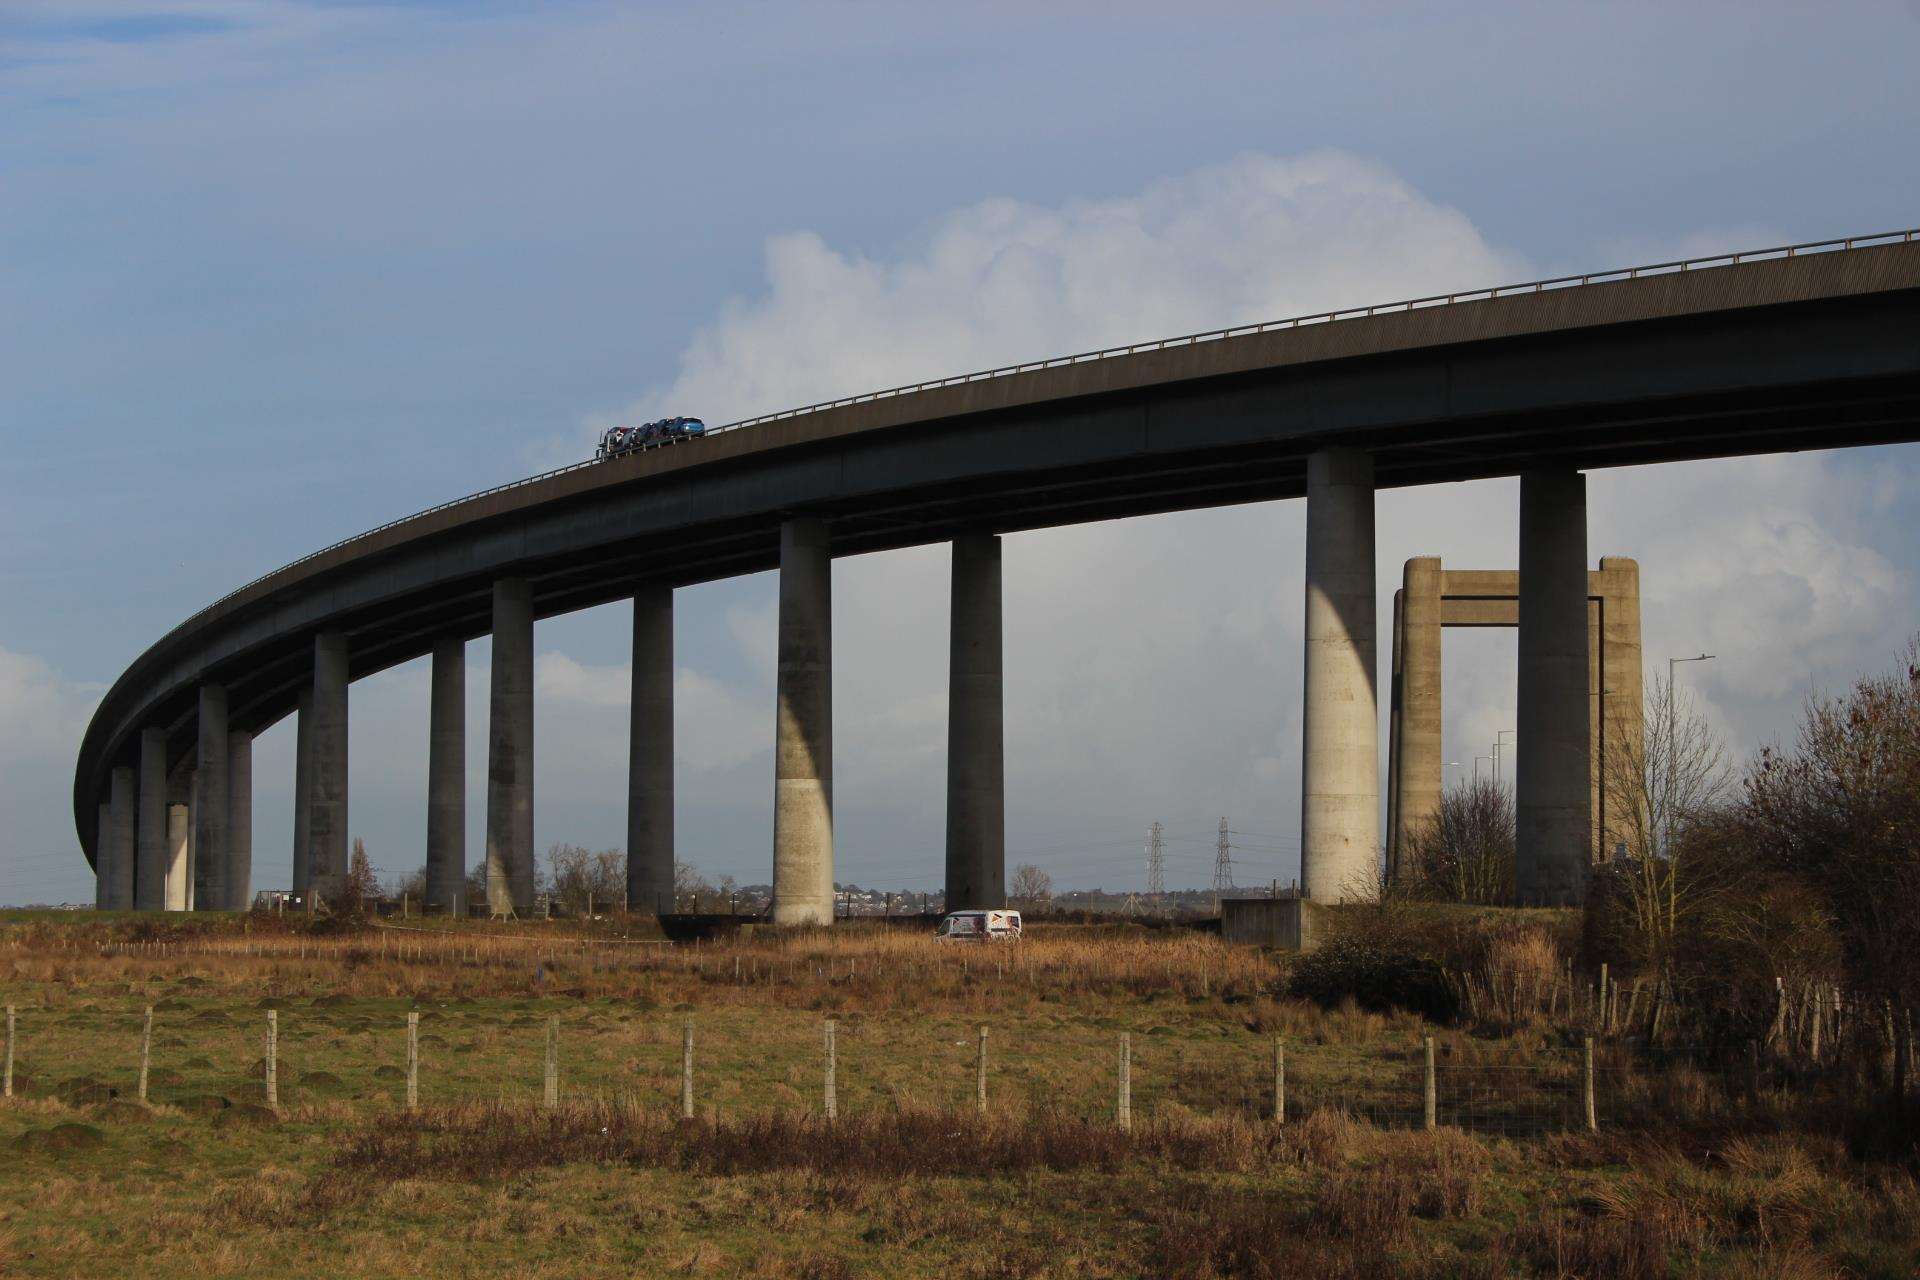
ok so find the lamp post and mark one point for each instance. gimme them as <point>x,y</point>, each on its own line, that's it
<point>1499,741</point>
<point>1671,734</point>
<point>1476,767</point>
<point>1451,764</point>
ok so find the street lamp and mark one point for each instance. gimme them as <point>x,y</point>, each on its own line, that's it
<point>1451,764</point>
<point>1476,767</point>
<point>1499,741</point>
<point>1671,745</point>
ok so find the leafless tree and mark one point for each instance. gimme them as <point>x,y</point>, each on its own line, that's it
<point>581,878</point>
<point>1666,789</point>
<point>1465,853</point>
<point>688,886</point>
<point>1841,810</point>
<point>1031,885</point>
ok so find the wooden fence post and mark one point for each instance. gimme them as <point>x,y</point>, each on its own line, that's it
<point>1431,1094</point>
<point>552,1092</point>
<point>146,1050</point>
<point>686,1071</point>
<point>413,1061</point>
<point>832,1102</point>
<point>1123,1107</point>
<point>980,1071</point>
<point>1279,1081</point>
<point>1586,1086</point>
<point>6,1085</point>
<point>273,1058</point>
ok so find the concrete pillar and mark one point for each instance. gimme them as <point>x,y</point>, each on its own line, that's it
<point>210,867</point>
<point>303,792</point>
<point>179,871</point>
<point>1619,702</point>
<point>1419,763</point>
<point>447,779</point>
<point>510,752</point>
<point>150,840</point>
<point>1552,782</point>
<point>123,797</point>
<point>326,769</point>
<point>103,855</point>
<point>239,876</point>
<point>976,714</point>
<point>1340,770</point>
<point>650,849</point>
<point>803,742</point>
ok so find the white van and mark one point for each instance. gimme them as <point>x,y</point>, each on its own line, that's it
<point>979,926</point>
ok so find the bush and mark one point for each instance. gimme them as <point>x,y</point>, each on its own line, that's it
<point>1376,974</point>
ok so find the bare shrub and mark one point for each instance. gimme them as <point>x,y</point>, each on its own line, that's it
<point>1465,853</point>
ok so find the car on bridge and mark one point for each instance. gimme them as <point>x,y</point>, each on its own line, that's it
<point>618,440</point>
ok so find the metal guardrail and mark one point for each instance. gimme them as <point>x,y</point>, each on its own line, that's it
<point>1159,344</point>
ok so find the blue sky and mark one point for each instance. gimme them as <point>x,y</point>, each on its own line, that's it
<point>273,272</point>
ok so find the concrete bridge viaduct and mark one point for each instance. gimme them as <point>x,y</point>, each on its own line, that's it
<point>1812,347</point>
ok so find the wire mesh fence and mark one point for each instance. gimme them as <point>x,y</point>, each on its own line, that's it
<point>388,1054</point>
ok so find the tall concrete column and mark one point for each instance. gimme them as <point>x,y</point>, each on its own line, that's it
<point>103,855</point>
<point>239,876</point>
<point>510,752</point>
<point>211,868</point>
<point>178,873</point>
<point>976,716</point>
<point>447,779</point>
<point>1418,759</point>
<point>1552,799</point>
<point>124,795</point>
<point>303,793</point>
<point>803,742</point>
<point>1340,769</point>
<point>1616,678</point>
<point>650,849</point>
<point>326,770</point>
<point>150,841</point>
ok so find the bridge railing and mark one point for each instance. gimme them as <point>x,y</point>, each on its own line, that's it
<point>1159,344</point>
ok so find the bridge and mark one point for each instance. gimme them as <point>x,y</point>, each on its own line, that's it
<point>1811,346</point>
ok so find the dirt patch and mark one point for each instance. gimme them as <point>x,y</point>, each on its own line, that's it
<point>85,1091</point>
<point>320,1080</point>
<point>245,1113</point>
<point>122,1111</point>
<point>60,1138</point>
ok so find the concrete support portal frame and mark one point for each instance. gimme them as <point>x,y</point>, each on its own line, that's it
<point>1433,598</point>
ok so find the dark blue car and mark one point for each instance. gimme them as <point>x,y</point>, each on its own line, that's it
<point>619,440</point>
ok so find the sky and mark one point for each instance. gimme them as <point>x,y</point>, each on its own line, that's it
<point>276,271</point>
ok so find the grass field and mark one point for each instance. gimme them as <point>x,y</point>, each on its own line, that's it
<point>1691,1172</point>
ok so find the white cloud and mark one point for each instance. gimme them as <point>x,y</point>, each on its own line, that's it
<point>1002,281</point>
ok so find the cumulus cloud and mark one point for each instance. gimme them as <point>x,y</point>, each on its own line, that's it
<point>1004,281</point>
